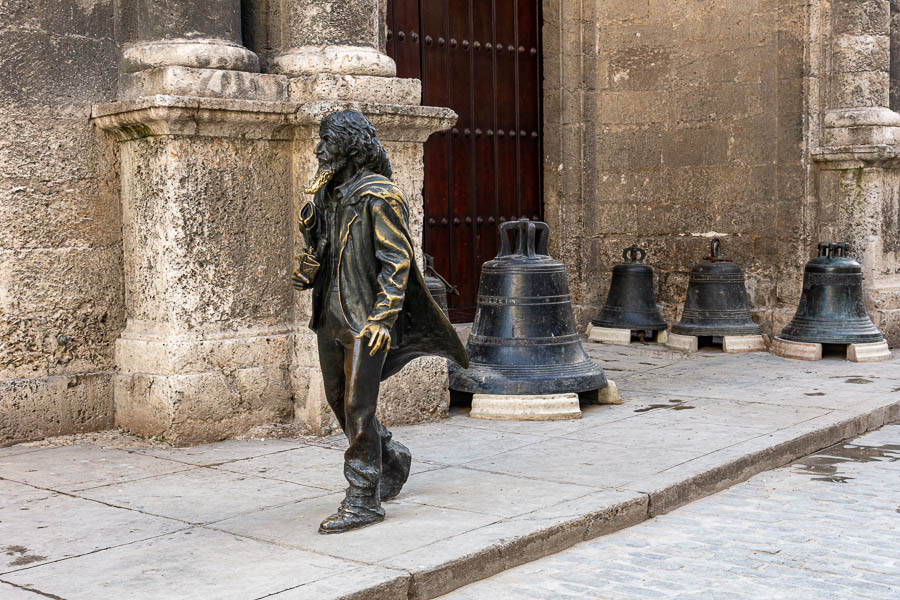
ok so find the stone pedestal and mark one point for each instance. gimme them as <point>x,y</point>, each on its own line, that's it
<point>553,407</point>
<point>874,352</point>
<point>868,352</point>
<point>731,344</point>
<point>796,350</point>
<point>207,237</point>
<point>621,337</point>
<point>342,38</point>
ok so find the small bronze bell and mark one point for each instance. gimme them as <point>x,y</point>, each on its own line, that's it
<point>716,303</point>
<point>437,285</point>
<point>631,302</point>
<point>832,309</point>
<point>523,339</point>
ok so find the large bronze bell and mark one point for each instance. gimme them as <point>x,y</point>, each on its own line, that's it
<point>523,339</point>
<point>631,302</point>
<point>832,309</point>
<point>716,303</point>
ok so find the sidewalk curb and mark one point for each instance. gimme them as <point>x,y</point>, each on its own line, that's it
<point>770,452</point>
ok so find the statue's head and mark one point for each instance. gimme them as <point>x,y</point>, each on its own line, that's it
<point>347,141</point>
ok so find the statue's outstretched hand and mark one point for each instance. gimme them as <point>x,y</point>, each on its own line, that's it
<point>379,337</point>
<point>307,268</point>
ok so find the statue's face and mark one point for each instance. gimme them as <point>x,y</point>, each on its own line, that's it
<point>328,152</point>
<point>331,157</point>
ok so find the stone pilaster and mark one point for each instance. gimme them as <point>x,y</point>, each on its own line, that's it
<point>207,237</point>
<point>858,156</point>
<point>337,37</point>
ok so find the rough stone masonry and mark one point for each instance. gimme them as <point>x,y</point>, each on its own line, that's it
<point>144,253</point>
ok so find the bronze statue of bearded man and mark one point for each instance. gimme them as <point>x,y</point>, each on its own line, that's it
<point>371,310</point>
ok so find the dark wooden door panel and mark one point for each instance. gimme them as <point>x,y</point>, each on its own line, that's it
<point>482,59</point>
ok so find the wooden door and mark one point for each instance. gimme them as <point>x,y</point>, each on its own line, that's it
<point>482,58</point>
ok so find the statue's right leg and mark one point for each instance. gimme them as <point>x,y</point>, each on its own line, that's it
<point>331,361</point>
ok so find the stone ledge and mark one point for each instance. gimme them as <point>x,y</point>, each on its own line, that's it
<point>257,119</point>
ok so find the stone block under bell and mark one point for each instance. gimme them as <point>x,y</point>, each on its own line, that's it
<point>832,312</point>
<point>524,339</point>
<point>716,309</point>
<point>630,312</point>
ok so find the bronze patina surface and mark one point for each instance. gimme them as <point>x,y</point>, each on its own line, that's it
<point>371,311</point>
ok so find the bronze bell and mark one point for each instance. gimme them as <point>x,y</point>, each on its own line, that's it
<point>437,285</point>
<point>631,302</point>
<point>832,309</point>
<point>716,303</point>
<point>523,339</point>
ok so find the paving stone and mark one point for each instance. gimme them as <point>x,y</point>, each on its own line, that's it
<point>201,495</point>
<point>9,592</point>
<point>765,538</point>
<point>222,452</point>
<point>58,527</point>
<point>442,445</point>
<point>14,493</point>
<point>591,464</point>
<point>314,466</point>
<point>198,563</point>
<point>633,432</point>
<point>363,582</point>
<point>411,526</point>
<point>71,468</point>
<point>18,449</point>
<point>487,493</point>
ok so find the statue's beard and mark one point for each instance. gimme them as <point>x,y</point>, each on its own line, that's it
<point>323,175</point>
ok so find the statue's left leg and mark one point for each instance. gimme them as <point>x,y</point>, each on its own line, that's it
<point>396,460</point>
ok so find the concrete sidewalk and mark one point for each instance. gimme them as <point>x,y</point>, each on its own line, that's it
<point>238,519</point>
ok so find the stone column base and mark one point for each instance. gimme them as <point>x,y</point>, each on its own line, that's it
<point>341,60</point>
<point>198,54</point>
<point>206,83</point>
<point>552,407</point>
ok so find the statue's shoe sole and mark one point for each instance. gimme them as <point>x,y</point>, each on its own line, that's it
<point>328,531</point>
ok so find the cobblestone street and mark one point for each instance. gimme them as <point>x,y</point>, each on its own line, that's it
<point>827,526</point>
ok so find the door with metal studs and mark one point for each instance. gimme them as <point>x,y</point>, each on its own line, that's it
<point>482,58</point>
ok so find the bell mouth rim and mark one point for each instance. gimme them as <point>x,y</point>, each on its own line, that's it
<point>859,339</point>
<point>491,379</point>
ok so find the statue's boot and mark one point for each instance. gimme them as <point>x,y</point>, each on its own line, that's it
<point>396,460</point>
<point>353,513</point>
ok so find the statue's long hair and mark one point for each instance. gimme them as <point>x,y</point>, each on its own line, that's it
<point>354,132</point>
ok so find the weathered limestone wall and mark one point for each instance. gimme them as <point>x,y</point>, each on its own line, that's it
<point>61,296</point>
<point>668,122</point>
